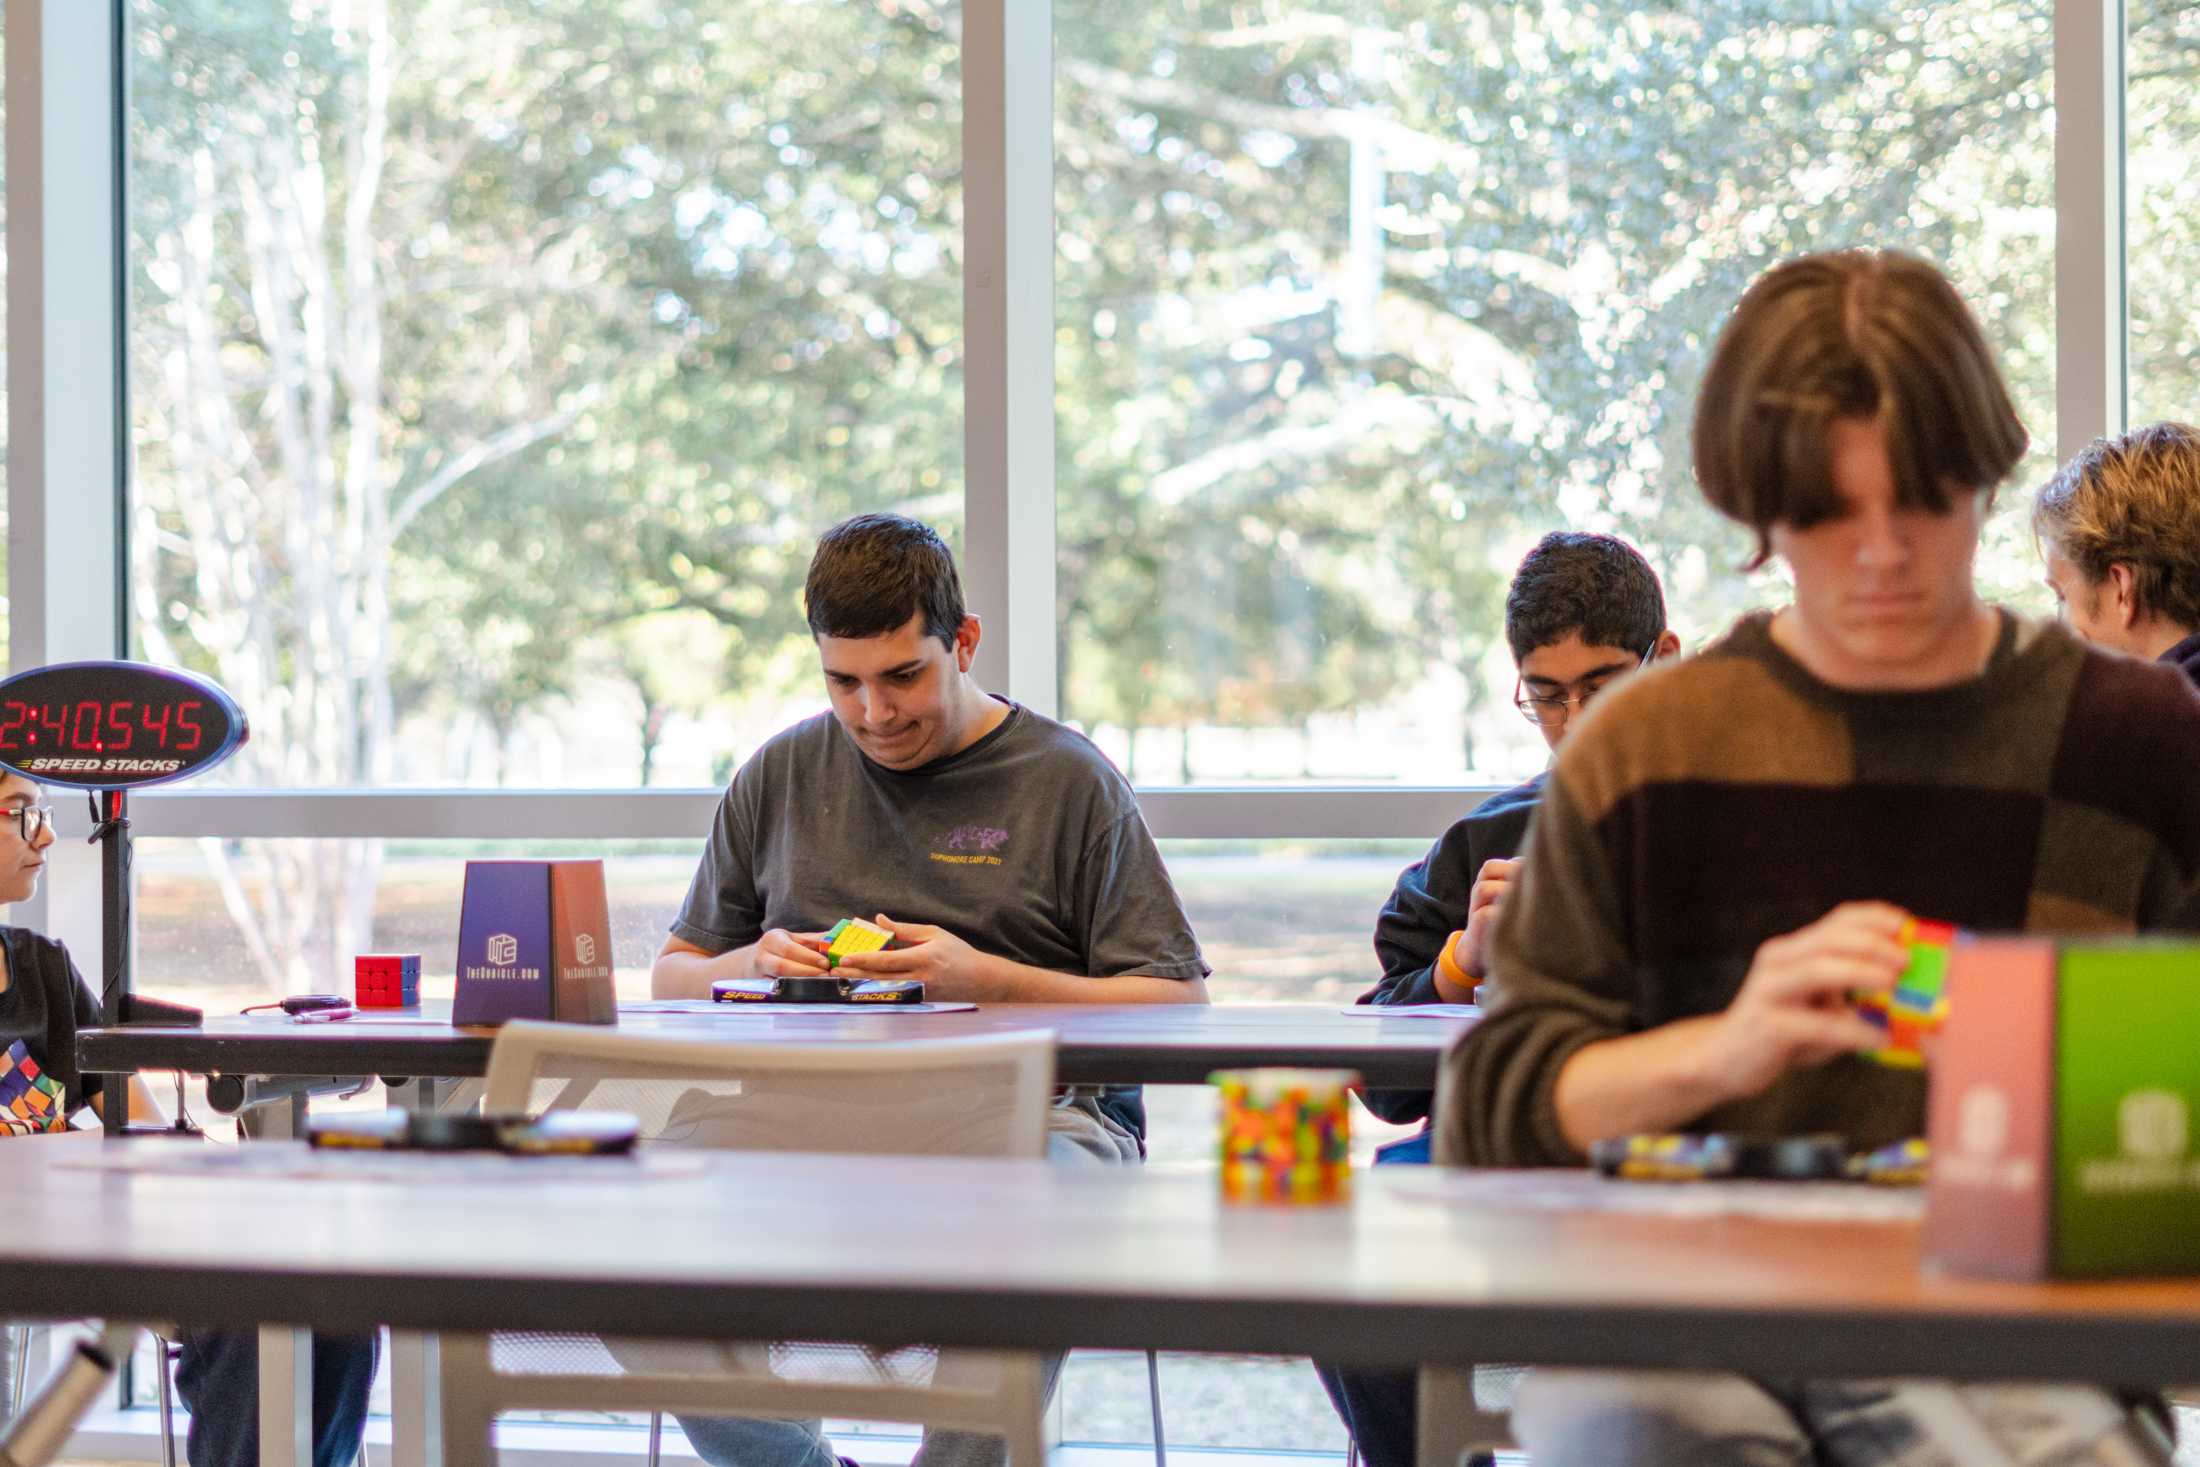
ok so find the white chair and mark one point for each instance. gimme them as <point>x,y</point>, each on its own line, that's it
<point>978,1097</point>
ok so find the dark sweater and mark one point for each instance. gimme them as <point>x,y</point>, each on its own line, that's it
<point>1428,905</point>
<point>1711,804</point>
<point>2185,657</point>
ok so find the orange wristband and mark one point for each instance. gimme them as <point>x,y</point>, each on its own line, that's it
<point>1448,965</point>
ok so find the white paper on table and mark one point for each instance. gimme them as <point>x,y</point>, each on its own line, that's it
<point>1414,1010</point>
<point>1555,1189</point>
<point>766,1006</point>
<point>295,1160</point>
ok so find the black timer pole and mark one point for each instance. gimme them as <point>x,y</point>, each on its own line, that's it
<point>111,832</point>
<point>117,1003</point>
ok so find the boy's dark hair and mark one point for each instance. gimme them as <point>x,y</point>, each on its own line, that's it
<point>1596,585</point>
<point>2133,500</point>
<point>872,573</point>
<point>1853,334</point>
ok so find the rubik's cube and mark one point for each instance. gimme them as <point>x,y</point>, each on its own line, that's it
<point>851,935</point>
<point>1913,1009</point>
<point>387,980</point>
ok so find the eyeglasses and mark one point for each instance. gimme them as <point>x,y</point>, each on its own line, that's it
<point>33,820</point>
<point>1548,712</point>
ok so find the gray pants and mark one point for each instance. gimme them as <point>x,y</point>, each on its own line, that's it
<point>1581,1418</point>
<point>1077,1135</point>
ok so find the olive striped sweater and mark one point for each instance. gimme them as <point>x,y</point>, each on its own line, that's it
<point>1707,805</point>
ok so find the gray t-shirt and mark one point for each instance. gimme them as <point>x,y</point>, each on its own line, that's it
<point>1027,845</point>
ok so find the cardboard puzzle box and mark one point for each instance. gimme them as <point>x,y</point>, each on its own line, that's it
<point>2064,1092</point>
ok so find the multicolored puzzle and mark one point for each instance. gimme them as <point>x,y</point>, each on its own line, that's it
<point>386,980</point>
<point>1912,1011</point>
<point>31,1100</point>
<point>852,935</point>
<point>1286,1134</point>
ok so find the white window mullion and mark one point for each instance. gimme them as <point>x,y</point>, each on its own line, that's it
<point>2090,360</point>
<point>1008,342</point>
<point>64,530</point>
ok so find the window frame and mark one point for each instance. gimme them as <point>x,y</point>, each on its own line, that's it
<point>67,377</point>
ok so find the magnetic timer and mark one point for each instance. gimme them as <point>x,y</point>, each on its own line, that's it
<point>115,725</point>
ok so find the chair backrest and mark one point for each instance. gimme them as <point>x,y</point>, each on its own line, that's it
<point>985,1096</point>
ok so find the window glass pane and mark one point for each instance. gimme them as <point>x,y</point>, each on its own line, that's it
<point>2161,201</point>
<point>4,577</point>
<point>494,365</point>
<point>1354,300</point>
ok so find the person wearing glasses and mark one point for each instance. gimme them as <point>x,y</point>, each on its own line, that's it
<point>44,1000</point>
<point>1583,612</point>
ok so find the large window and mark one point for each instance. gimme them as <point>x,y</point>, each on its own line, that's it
<point>1357,299</point>
<point>495,363</point>
<point>2162,199</point>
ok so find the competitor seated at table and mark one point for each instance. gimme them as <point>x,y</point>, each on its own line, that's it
<point>43,1002</point>
<point>1726,851</point>
<point>1002,850</point>
<point>1583,611</point>
<point>2120,527</point>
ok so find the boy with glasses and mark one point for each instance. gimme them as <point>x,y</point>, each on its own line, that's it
<point>1583,611</point>
<point>1726,853</point>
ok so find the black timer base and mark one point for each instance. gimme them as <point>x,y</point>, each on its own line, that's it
<point>138,1009</point>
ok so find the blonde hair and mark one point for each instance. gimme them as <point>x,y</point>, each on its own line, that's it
<point>2133,501</point>
<point>1851,334</point>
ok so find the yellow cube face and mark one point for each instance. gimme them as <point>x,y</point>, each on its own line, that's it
<point>857,936</point>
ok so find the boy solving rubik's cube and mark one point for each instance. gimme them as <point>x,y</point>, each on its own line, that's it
<point>1912,1011</point>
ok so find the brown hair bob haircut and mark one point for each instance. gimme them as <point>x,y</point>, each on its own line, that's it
<point>2133,500</point>
<point>1851,334</point>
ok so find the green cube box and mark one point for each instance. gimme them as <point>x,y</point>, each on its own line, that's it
<point>2065,1091</point>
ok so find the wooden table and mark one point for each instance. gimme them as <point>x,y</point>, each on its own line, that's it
<point>1155,1044</point>
<point>1422,1266</point>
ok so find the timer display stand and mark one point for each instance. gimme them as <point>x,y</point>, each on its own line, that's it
<point>108,728</point>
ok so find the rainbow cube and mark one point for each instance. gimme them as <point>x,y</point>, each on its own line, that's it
<point>1286,1134</point>
<point>1912,1011</point>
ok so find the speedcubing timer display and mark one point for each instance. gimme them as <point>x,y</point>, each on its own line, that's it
<point>1913,1009</point>
<point>114,725</point>
<point>1286,1134</point>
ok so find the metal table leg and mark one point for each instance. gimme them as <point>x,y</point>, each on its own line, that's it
<point>286,1396</point>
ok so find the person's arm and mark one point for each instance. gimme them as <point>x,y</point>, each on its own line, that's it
<point>720,930</point>
<point>1794,1010</point>
<point>1417,921</point>
<point>954,971</point>
<point>683,970</point>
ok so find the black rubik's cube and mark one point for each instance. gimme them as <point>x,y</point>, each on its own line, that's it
<point>387,980</point>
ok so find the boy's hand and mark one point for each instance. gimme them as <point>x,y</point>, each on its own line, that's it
<point>784,954</point>
<point>1492,884</point>
<point>948,967</point>
<point>1794,1008</point>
